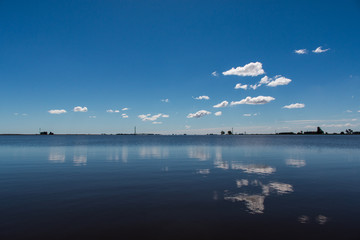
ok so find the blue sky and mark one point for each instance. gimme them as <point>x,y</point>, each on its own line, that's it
<point>156,57</point>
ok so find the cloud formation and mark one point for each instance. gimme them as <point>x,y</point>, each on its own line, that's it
<point>219,113</point>
<point>301,51</point>
<point>239,86</point>
<point>112,111</point>
<point>148,117</point>
<point>251,69</point>
<point>320,50</point>
<point>215,74</point>
<point>124,115</point>
<point>253,101</point>
<point>222,104</point>
<point>279,80</point>
<point>165,100</point>
<point>295,105</point>
<point>80,109</point>
<point>156,122</point>
<point>125,109</point>
<point>198,114</point>
<point>57,111</point>
<point>202,98</point>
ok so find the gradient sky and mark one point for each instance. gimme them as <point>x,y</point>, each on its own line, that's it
<point>75,66</point>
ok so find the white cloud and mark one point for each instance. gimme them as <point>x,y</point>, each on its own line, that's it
<point>247,115</point>
<point>198,114</point>
<point>92,116</point>
<point>116,111</point>
<point>57,111</point>
<point>339,125</point>
<point>295,105</point>
<point>251,69</point>
<point>110,111</point>
<point>187,126</point>
<point>80,109</point>
<point>241,86</point>
<point>125,109</point>
<point>264,80</point>
<point>148,117</point>
<point>215,74</point>
<point>301,51</point>
<point>165,100</point>
<point>255,86</point>
<point>218,113</point>
<point>320,50</point>
<point>202,97</point>
<point>254,100</point>
<point>156,122</point>
<point>124,115</point>
<point>222,104</point>
<point>279,80</point>
<point>348,111</point>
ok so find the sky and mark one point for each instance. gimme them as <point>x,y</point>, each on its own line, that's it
<point>194,67</point>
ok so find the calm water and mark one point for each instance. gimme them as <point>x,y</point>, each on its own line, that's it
<point>179,187</point>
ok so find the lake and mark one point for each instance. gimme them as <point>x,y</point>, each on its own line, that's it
<point>179,187</point>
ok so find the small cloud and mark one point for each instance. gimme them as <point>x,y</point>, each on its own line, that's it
<point>198,114</point>
<point>254,100</point>
<point>110,111</point>
<point>348,111</point>
<point>16,114</point>
<point>116,111</point>
<point>202,98</point>
<point>156,122</point>
<point>215,74</point>
<point>165,100</point>
<point>187,126</point>
<point>148,117</point>
<point>222,104</point>
<point>279,80</point>
<point>255,86</point>
<point>239,86</point>
<point>57,111</point>
<point>295,105</point>
<point>320,50</point>
<point>125,109</point>
<point>124,115</point>
<point>251,69</point>
<point>301,51</point>
<point>92,116</point>
<point>264,80</point>
<point>80,109</point>
<point>218,113</point>
<point>247,115</point>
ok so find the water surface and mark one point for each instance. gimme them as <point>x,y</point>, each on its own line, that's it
<point>179,187</point>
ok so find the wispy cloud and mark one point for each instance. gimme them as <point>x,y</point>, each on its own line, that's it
<point>124,115</point>
<point>57,111</point>
<point>92,116</point>
<point>125,109</point>
<point>187,126</point>
<point>251,69</point>
<point>80,109</point>
<point>301,51</point>
<point>309,121</point>
<point>202,98</point>
<point>156,122</point>
<point>215,74</point>
<point>112,111</point>
<point>320,50</point>
<point>295,105</point>
<point>253,101</point>
<point>198,114</point>
<point>249,114</point>
<point>219,113</point>
<point>165,100</point>
<point>149,117</point>
<point>222,104</point>
<point>239,86</point>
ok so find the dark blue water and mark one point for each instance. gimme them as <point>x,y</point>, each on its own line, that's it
<point>179,187</point>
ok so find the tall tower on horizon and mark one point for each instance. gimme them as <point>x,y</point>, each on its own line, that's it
<point>135,130</point>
